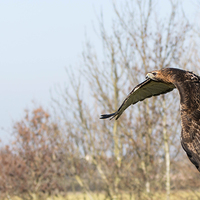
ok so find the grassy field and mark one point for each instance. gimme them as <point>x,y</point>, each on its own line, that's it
<point>175,195</point>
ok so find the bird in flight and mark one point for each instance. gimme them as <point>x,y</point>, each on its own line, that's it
<point>165,80</point>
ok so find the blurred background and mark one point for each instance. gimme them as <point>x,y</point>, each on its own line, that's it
<point>39,40</point>
<point>63,63</point>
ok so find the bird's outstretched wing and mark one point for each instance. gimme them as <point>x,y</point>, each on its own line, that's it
<point>144,90</point>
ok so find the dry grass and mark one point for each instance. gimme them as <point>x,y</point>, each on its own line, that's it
<point>175,195</point>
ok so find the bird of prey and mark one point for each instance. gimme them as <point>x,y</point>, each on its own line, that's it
<point>188,84</point>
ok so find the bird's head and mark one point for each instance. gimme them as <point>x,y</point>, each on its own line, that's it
<point>154,75</point>
<point>165,75</point>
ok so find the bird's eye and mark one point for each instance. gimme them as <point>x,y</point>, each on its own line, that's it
<point>154,73</point>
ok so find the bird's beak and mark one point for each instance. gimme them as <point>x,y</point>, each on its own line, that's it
<point>149,75</point>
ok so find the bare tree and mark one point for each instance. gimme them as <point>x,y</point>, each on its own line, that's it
<point>33,165</point>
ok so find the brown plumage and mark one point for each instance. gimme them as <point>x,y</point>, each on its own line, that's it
<point>188,84</point>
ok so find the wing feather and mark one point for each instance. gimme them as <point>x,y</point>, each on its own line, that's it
<point>146,89</point>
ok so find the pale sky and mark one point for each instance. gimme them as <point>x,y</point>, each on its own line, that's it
<point>38,40</point>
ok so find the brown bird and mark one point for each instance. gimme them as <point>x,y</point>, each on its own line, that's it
<point>165,80</point>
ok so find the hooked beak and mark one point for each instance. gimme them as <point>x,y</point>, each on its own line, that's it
<point>149,75</point>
